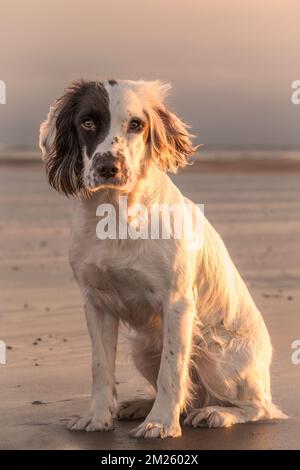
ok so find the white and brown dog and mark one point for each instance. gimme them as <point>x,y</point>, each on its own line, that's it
<point>200,341</point>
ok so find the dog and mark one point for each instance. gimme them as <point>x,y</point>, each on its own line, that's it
<point>199,339</point>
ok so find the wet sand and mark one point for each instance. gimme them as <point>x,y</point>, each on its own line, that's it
<point>256,209</point>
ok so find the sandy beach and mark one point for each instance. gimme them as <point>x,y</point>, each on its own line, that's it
<point>255,206</point>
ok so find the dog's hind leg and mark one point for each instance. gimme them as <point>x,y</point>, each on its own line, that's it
<point>147,360</point>
<point>135,409</point>
<point>226,416</point>
<point>222,416</point>
<point>237,399</point>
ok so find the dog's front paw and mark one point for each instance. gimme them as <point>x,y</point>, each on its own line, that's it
<point>156,429</point>
<point>91,422</point>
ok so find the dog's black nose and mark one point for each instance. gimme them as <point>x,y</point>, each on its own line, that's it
<point>108,169</point>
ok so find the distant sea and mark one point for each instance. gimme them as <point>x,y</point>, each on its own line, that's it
<point>205,153</point>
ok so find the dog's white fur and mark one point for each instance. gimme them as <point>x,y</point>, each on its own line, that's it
<point>200,341</point>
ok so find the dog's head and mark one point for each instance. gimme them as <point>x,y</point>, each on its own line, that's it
<point>105,135</point>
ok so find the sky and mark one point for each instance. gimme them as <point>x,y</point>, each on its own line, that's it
<point>231,62</point>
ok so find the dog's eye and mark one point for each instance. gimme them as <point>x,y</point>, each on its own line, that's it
<point>135,125</point>
<point>88,125</point>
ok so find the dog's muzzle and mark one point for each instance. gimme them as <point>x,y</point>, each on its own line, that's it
<point>108,169</point>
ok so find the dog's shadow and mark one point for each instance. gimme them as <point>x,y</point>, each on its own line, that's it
<point>241,436</point>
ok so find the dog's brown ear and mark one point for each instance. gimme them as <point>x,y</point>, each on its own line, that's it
<point>59,143</point>
<point>169,139</point>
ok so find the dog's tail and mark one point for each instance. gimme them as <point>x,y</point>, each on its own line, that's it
<point>273,412</point>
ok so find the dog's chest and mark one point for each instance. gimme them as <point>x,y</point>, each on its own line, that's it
<point>126,283</point>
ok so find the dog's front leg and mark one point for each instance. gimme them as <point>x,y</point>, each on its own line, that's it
<point>103,329</point>
<point>172,383</point>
